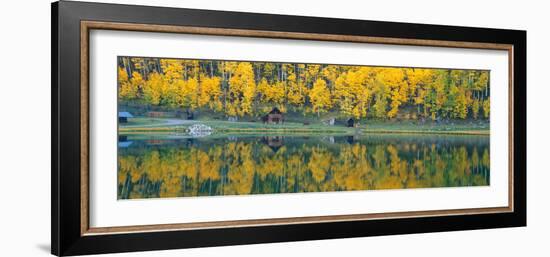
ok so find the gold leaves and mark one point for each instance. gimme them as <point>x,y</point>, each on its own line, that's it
<point>242,88</point>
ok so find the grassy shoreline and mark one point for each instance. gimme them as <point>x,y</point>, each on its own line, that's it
<point>457,132</point>
<point>171,126</point>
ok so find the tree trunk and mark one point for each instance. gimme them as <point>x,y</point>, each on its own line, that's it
<point>185,71</point>
<point>211,69</point>
<point>126,62</point>
<point>145,69</point>
<point>224,86</point>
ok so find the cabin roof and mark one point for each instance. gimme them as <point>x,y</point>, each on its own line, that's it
<point>125,115</point>
<point>275,110</point>
<point>124,144</point>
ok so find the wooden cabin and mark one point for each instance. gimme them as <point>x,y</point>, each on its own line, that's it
<point>350,123</point>
<point>275,116</point>
<point>123,142</point>
<point>123,117</point>
<point>274,142</point>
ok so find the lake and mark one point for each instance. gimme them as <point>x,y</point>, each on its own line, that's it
<point>164,166</point>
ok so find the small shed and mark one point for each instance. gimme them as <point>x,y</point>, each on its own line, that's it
<point>274,116</point>
<point>351,123</point>
<point>351,139</point>
<point>274,142</point>
<point>123,117</point>
<point>123,142</point>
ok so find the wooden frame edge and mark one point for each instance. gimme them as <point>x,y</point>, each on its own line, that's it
<point>86,26</point>
<point>288,221</point>
<point>84,129</point>
<point>287,35</point>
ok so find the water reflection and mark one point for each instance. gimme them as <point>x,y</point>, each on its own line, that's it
<point>163,167</point>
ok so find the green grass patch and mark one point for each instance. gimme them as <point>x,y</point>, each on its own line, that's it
<point>170,126</point>
<point>140,121</point>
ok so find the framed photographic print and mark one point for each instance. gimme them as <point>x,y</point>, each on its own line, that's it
<point>178,128</point>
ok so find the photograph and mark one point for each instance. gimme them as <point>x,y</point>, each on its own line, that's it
<point>200,127</point>
<point>274,128</point>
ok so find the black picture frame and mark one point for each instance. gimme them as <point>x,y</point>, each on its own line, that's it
<point>66,236</point>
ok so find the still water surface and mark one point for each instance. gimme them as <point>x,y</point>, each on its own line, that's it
<point>153,167</point>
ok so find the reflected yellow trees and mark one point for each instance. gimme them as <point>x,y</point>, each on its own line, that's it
<point>241,167</point>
